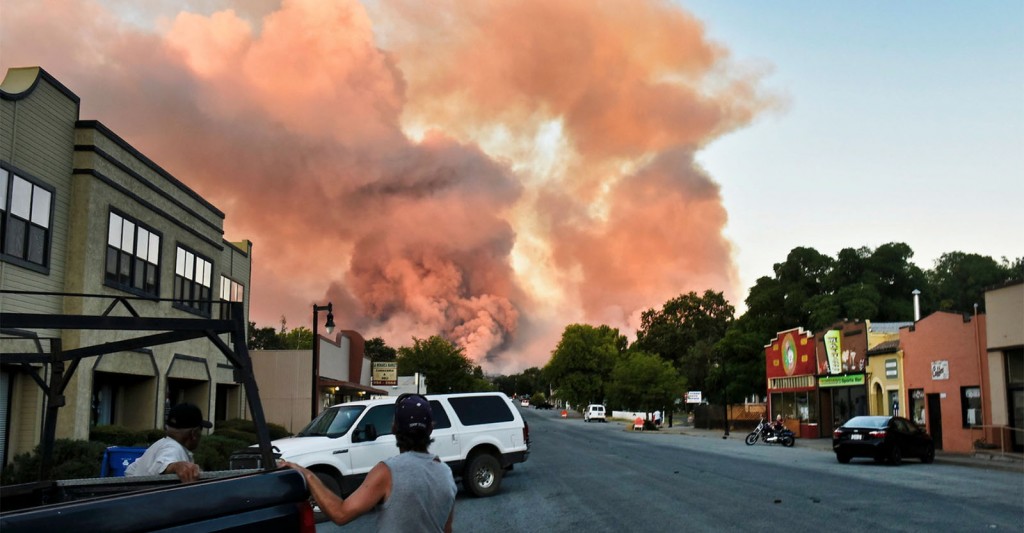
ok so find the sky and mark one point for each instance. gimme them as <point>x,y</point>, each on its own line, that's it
<point>494,171</point>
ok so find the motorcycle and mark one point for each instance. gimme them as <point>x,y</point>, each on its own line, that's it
<point>768,434</point>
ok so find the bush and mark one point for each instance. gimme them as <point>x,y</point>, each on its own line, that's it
<point>214,450</point>
<point>249,427</point>
<point>72,459</point>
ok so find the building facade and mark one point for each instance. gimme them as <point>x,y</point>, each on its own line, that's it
<point>286,378</point>
<point>1004,384</point>
<point>85,213</point>
<point>944,368</point>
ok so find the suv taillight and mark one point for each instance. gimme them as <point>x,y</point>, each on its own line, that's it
<point>307,522</point>
<point>526,432</point>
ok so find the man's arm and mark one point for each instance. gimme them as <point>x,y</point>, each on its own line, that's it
<point>186,471</point>
<point>374,489</point>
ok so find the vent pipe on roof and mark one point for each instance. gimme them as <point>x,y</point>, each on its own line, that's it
<point>917,304</point>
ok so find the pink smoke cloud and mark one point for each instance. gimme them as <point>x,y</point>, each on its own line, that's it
<point>295,119</point>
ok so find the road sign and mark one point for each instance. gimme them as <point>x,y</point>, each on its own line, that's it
<point>693,396</point>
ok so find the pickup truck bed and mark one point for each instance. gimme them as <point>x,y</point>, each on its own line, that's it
<point>263,501</point>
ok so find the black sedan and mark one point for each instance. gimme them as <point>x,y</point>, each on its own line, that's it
<point>882,438</point>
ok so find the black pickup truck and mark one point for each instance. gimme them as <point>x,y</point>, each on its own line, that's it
<point>255,500</point>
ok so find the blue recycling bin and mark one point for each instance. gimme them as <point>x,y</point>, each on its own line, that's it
<point>117,458</point>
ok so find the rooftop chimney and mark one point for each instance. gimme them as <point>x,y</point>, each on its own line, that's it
<point>917,304</point>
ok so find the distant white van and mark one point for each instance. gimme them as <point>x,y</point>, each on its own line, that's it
<point>594,411</point>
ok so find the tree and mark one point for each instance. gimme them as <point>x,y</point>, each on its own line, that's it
<point>959,280</point>
<point>684,332</point>
<point>644,381</point>
<point>263,338</point>
<point>444,364</point>
<point>377,350</point>
<point>300,338</point>
<point>582,362</point>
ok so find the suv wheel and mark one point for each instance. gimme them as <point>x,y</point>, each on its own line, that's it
<point>483,475</point>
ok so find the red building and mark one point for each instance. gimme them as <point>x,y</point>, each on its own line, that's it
<point>944,363</point>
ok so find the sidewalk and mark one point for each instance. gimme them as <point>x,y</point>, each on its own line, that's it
<point>996,461</point>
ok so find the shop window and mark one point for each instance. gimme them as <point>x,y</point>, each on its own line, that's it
<point>192,282</point>
<point>133,256</point>
<point>26,214</point>
<point>917,403</point>
<point>970,406</point>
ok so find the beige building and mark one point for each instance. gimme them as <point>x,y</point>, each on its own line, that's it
<point>285,378</point>
<point>1004,308</point>
<point>884,370</point>
<point>84,213</point>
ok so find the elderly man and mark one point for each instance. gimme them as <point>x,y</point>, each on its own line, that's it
<point>173,453</point>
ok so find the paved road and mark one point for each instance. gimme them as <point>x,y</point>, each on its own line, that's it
<point>601,477</point>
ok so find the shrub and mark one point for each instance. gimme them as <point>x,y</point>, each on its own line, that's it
<point>214,450</point>
<point>72,459</point>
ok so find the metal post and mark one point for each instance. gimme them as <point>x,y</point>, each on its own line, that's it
<point>315,400</point>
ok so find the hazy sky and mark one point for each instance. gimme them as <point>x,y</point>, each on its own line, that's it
<point>904,121</point>
<point>493,171</point>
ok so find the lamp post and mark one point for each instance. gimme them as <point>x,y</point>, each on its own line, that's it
<point>329,326</point>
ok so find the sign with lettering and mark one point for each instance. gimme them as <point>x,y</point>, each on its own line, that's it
<point>385,373</point>
<point>841,381</point>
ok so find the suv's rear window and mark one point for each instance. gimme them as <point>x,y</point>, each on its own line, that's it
<point>476,410</point>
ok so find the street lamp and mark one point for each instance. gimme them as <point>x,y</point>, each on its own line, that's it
<point>329,326</point>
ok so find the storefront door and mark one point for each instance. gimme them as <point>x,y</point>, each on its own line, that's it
<point>935,420</point>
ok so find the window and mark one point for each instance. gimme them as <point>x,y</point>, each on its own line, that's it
<point>476,410</point>
<point>133,256</point>
<point>192,282</point>
<point>25,218</point>
<point>230,291</point>
<point>970,406</point>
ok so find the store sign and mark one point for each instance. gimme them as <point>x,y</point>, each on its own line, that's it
<point>841,381</point>
<point>385,373</point>
<point>693,396</point>
<point>940,370</point>
<point>833,351</point>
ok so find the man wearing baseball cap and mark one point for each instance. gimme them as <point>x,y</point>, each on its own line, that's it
<point>415,490</point>
<point>173,453</point>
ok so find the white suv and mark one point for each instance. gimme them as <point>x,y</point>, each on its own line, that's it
<point>594,412</point>
<point>478,435</point>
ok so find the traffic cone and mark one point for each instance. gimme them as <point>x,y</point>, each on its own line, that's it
<point>565,414</point>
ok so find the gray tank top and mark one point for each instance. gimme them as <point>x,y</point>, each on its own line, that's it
<point>422,494</point>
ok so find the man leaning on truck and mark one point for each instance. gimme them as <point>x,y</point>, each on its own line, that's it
<point>173,453</point>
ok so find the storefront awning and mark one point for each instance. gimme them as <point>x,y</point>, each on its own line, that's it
<point>327,382</point>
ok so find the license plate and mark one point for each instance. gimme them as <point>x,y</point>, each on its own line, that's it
<point>856,437</point>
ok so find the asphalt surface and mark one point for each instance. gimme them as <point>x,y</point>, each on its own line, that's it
<point>996,461</point>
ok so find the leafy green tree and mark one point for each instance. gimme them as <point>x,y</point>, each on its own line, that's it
<point>300,338</point>
<point>894,278</point>
<point>684,332</point>
<point>377,350</point>
<point>644,381</point>
<point>263,338</point>
<point>444,364</point>
<point>582,362</point>
<point>959,279</point>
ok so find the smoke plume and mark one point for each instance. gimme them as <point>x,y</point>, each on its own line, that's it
<point>486,171</point>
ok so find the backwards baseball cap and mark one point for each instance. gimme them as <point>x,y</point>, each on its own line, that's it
<point>413,415</point>
<point>186,416</point>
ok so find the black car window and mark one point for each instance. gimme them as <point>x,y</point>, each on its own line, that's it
<point>440,417</point>
<point>380,418</point>
<point>476,410</point>
<point>899,425</point>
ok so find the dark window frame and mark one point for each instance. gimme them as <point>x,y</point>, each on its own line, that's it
<point>189,293</point>
<point>32,229</point>
<point>225,308</point>
<point>965,405</point>
<point>127,266</point>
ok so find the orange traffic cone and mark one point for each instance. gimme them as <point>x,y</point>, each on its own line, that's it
<point>565,414</point>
